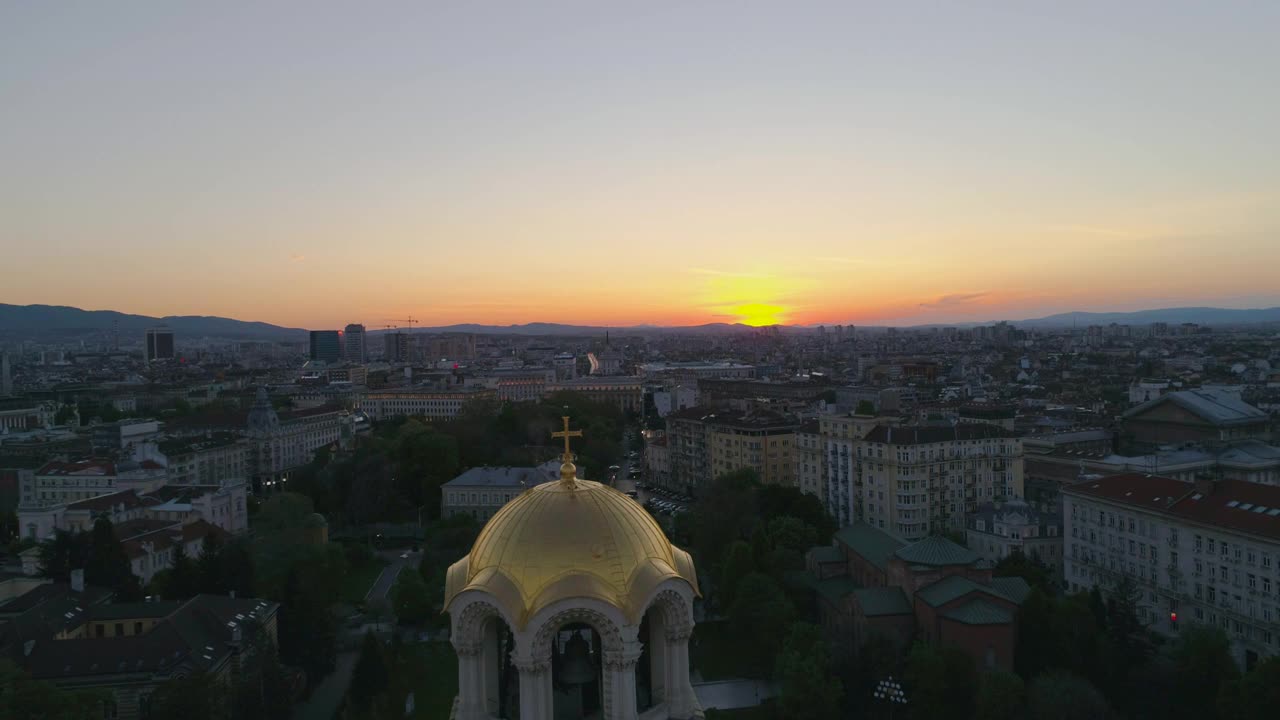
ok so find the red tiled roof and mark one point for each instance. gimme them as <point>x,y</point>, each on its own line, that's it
<point>1230,504</point>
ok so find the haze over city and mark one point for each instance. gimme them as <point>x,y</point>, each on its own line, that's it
<point>311,164</point>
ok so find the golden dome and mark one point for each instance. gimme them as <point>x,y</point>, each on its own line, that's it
<point>569,539</point>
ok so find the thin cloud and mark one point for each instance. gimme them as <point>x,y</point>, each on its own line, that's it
<point>297,258</point>
<point>1094,230</point>
<point>950,301</point>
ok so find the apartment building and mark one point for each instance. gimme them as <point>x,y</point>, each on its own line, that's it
<point>1202,552</point>
<point>839,435</point>
<point>704,444</point>
<point>810,460</point>
<point>917,481</point>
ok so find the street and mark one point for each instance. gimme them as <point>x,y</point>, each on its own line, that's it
<point>382,586</point>
<point>623,483</point>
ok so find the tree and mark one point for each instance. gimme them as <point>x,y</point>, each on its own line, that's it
<point>939,682</point>
<point>1001,696</point>
<point>411,600</point>
<point>197,697</point>
<point>62,553</point>
<point>738,563</point>
<point>1058,695</point>
<point>865,407</point>
<point>760,616</point>
<point>184,576</point>
<point>783,500</point>
<point>237,569</point>
<point>1037,644</point>
<point>370,675</point>
<point>106,563</point>
<point>65,415</point>
<point>806,688</point>
<point>1017,564</point>
<point>727,512</point>
<point>266,689</point>
<point>1204,668</point>
<point>306,628</point>
<point>209,571</point>
<point>23,697</point>
<point>791,533</point>
<point>1076,636</point>
<point>1257,694</point>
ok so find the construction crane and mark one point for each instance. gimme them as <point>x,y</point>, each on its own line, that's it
<point>409,321</point>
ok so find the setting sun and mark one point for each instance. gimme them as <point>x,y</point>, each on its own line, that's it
<point>760,315</point>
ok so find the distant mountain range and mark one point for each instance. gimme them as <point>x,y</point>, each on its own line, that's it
<point>1198,315</point>
<point>60,320</point>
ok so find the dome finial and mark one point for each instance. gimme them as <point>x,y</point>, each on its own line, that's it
<point>568,472</point>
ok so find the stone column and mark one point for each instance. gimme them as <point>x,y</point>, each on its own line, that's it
<point>620,678</point>
<point>681,701</point>
<point>471,699</point>
<point>535,688</point>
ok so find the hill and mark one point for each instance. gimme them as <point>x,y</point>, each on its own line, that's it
<point>59,319</point>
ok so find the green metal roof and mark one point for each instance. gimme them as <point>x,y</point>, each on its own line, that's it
<point>949,588</point>
<point>954,586</point>
<point>1014,588</point>
<point>836,589</point>
<point>875,545</point>
<point>882,601</point>
<point>980,612</point>
<point>936,550</point>
<point>827,554</point>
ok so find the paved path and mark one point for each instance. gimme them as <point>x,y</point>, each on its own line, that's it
<point>382,586</point>
<point>326,697</point>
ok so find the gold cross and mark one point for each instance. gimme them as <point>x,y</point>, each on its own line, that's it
<point>566,434</point>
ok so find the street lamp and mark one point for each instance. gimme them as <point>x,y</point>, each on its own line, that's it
<point>890,691</point>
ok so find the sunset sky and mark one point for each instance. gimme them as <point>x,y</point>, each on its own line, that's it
<point>312,163</point>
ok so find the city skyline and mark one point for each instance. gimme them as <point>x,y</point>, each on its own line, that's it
<point>668,165</point>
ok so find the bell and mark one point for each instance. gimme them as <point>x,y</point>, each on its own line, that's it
<point>577,661</point>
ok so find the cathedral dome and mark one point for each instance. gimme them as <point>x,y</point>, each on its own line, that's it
<point>569,539</point>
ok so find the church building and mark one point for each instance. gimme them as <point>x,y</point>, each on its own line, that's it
<point>572,604</point>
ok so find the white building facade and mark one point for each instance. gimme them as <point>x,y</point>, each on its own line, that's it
<point>1203,552</point>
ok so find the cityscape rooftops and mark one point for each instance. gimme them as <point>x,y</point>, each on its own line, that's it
<point>507,476</point>
<point>928,434</point>
<point>1214,405</point>
<point>1229,504</point>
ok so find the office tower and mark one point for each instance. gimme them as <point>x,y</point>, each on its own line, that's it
<point>326,346</point>
<point>397,347</point>
<point>353,349</point>
<point>6,380</point>
<point>159,344</point>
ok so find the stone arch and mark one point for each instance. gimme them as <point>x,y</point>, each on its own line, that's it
<point>469,624</point>
<point>676,610</point>
<point>610,633</point>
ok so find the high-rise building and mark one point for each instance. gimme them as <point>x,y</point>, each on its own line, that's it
<point>326,345</point>
<point>159,344</point>
<point>353,343</point>
<point>6,379</point>
<point>396,347</point>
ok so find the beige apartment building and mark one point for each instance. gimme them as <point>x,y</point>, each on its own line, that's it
<point>919,481</point>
